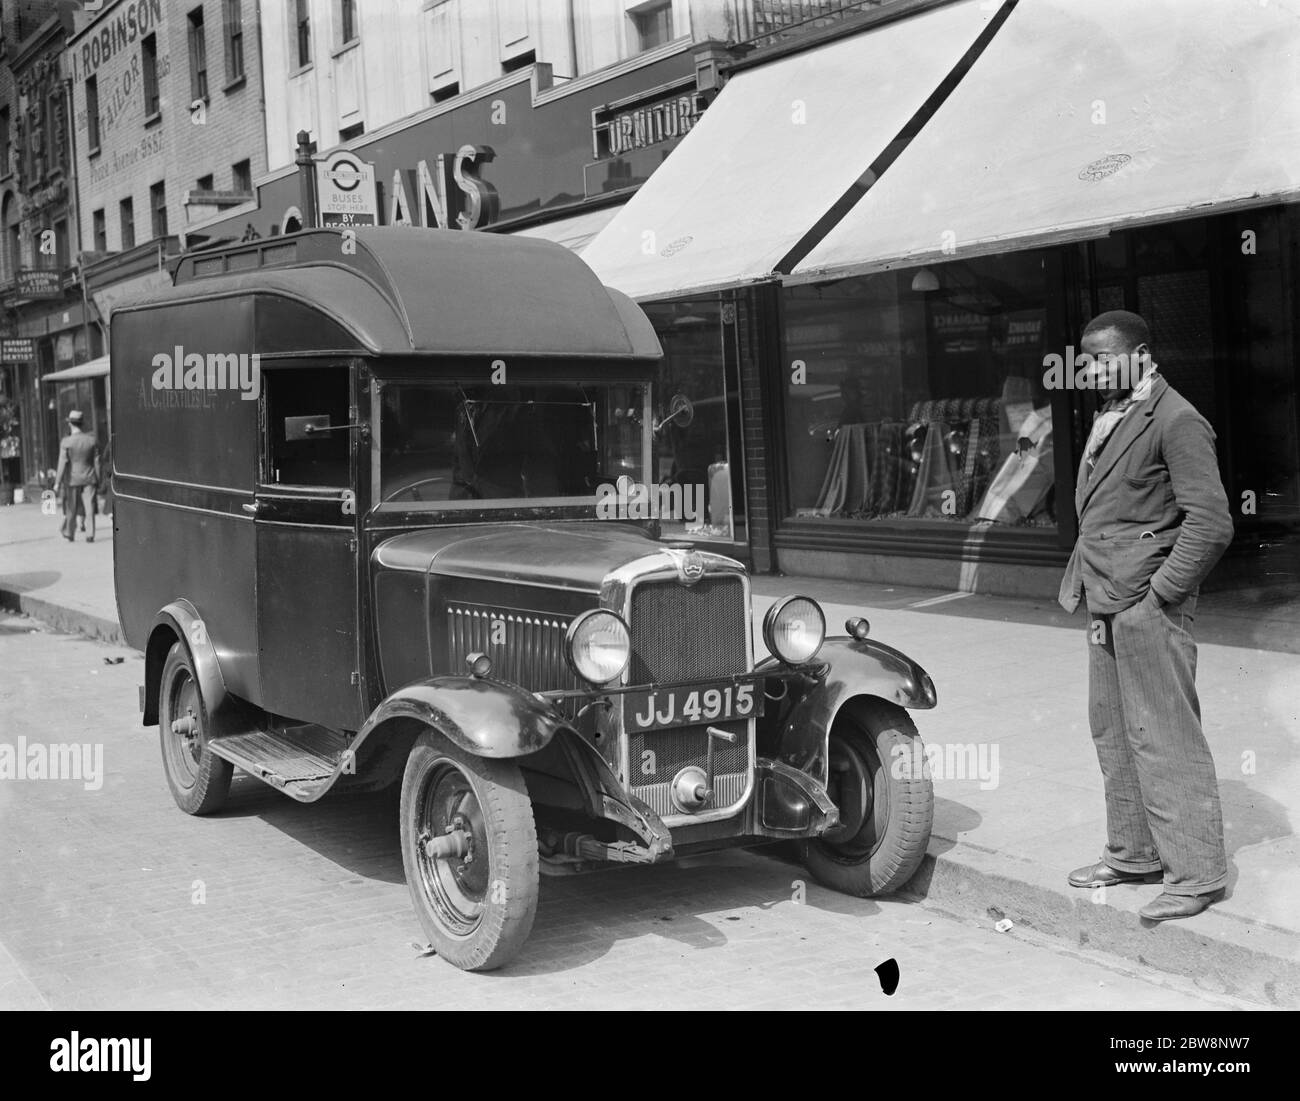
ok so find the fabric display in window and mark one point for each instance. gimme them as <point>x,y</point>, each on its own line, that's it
<point>1019,492</point>
<point>957,456</point>
<point>892,468</point>
<point>846,485</point>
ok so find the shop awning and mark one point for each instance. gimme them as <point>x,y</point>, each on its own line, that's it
<point>95,368</point>
<point>574,232</point>
<point>777,148</point>
<point>1082,118</point>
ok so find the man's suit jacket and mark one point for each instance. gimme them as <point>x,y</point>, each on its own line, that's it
<point>79,458</point>
<point>1153,513</point>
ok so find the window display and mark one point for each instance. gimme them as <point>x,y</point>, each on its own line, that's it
<point>919,395</point>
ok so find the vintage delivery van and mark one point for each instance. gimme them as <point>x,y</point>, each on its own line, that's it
<point>357,539</point>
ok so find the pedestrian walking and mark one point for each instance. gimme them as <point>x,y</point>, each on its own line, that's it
<point>77,477</point>
<point>1153,521</point>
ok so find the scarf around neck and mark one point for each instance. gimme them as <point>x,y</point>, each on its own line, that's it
<point>1109,418</point>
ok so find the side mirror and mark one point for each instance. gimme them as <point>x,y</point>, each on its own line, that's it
<point>305,428</point>
<point>680,409</point>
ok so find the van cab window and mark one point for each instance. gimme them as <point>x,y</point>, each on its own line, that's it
<point>316,392</point>
<point>453,442</point>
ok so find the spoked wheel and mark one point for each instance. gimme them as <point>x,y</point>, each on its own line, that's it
<point>879,782</point>
<point>469,847</point>
<point>198,778</point>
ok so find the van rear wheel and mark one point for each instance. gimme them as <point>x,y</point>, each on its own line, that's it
<point>198,778</point>
<point>469,848</point>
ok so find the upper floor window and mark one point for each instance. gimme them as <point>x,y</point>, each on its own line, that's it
<point>99,230</point>
<point>241,176</point>
<point>6,150</point>
<point>149,63</point>
<point>347,21</point>
<point>302,20</point>
<point>198,56</point>
<point>233,19</point>
<point>126,222</point>
<point>92,113</point>
<point>61,259</point>
<point>158,208</point>
<point>652,25</point>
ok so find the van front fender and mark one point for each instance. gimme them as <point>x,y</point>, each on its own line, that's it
<point>483,717</point>
<point>845,668</point>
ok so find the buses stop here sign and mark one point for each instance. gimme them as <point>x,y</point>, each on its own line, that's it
<point>345,191</point>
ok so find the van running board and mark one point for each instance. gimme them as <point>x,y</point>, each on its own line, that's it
<point>299,761</point>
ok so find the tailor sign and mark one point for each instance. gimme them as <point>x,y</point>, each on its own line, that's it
<point>345,191</point>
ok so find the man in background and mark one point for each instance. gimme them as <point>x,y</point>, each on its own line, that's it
<point>78,477</point>
<point>1153,521</point>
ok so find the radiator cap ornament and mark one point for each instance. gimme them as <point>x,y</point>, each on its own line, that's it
<point>690,566</point>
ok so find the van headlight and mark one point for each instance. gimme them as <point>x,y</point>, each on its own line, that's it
<point>598,646</point>
<point>794,629</point>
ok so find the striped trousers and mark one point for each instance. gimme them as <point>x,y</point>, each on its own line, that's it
<point>1162,795</point>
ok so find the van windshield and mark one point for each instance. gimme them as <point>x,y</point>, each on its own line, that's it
<point>446,443</point>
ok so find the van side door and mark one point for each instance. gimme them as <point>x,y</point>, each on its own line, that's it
<point>305,515</point>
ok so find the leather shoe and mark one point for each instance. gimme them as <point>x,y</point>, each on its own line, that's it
<point>1102,874</point>
<point>1167,906</point>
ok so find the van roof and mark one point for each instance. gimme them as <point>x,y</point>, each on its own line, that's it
<point>405,290</point>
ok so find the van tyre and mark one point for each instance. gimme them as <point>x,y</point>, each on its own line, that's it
<point>881,785</point>
<point>198,778</point>
<point>476,892</point>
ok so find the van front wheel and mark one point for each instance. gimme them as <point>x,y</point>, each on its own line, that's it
<point>469,847</point>
<point>880,782</point>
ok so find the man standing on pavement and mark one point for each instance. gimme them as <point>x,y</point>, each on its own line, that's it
<point>79,461</point>
<point>1153,521</point>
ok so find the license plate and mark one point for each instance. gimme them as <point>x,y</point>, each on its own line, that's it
<point>667,707</point>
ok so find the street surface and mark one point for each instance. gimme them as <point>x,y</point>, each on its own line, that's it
<point>110,897</point>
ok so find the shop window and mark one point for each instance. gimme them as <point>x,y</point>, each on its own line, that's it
<point>918,395</point>
<point>126,222</point>
<point>697,414</point>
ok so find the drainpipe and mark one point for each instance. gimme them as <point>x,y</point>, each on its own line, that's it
<point>75,204</point>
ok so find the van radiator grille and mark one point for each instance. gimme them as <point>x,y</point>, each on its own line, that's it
<point>682,632</point>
